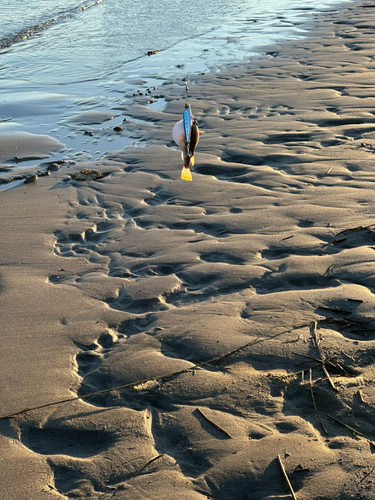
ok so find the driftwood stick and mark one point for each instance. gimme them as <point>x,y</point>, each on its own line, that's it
<point>286,478</point>
<point>314,403</point>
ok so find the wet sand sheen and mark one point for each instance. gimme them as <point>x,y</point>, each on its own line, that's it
<point>59,63</point>
<point>139,274</point>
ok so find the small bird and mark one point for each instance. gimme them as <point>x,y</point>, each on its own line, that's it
<point>178,134</point>
<point>185,133</point>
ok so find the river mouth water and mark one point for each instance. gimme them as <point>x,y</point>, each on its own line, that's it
<point>69,69</point>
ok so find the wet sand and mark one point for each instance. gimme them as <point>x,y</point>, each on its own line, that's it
<point>254,282</point>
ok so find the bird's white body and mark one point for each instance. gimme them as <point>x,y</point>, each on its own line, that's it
<point>178,134</point>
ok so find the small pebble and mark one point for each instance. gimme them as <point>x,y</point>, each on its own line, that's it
<point>53,167</point>
<point>86,175</point>
<point>30,179</point>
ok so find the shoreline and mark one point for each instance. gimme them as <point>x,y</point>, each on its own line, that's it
<point>137,274</point>
<point>85,116</point>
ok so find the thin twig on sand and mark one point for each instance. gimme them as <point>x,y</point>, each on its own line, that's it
<point>330,268</point>
<point>314,403</point>
<point>153,460</point>
<point>354,431</point>
<point>214,424</point>
<point>212,361</point>
<point>328,171</point>
<point>165,376</point>
<point>322,360</point>
<point>357,228</point>
<point>360,396</point>
<point>286,478</point>
<point>333,367</point>
<point>367,475</point>
<point>287,237</point>
<point>335,242</point>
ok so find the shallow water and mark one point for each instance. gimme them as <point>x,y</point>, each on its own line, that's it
<point>60,58</point>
